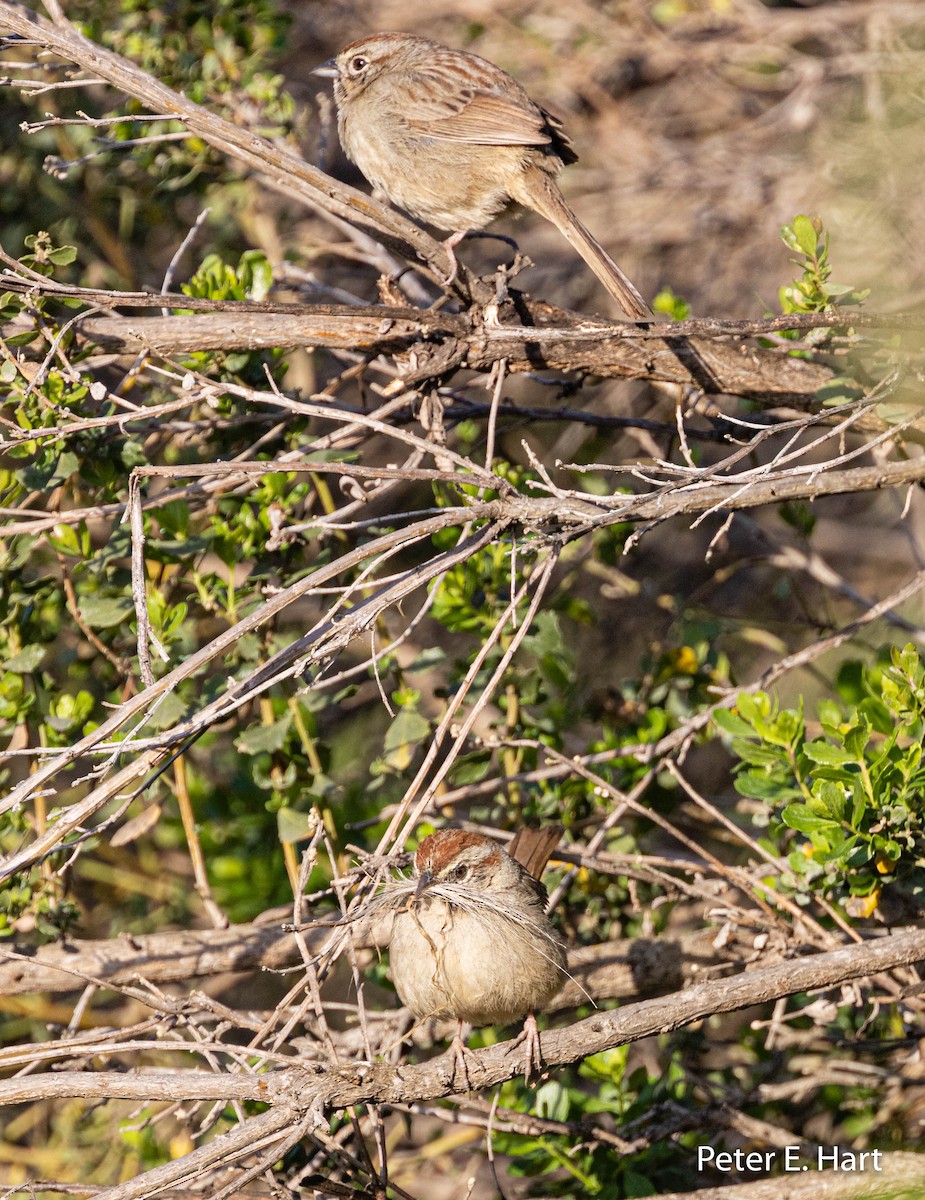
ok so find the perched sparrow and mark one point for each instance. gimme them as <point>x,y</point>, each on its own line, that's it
<point>473,940</point>
<point>453,140</point>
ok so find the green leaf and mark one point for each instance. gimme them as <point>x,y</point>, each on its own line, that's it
<point>62,255</point>
<point>636,1185</point>
<point>471,770</point>
<point>801,818</point>
<point>265,739</point>
<point>66,539</point>
<point>759,754</point>
<point>829,713</point>
<point>753,708</point>
<point>255,272</point>
<point>824,752</point>
<point>23,339</point>
<point>552,1101</point>
<point>856,740</point>
<point>403,736</point>
<point>70,711</point>
<point>805,233</point>
<point>408,728</point>
<point>50,471</point>
<point>133,454</point>
<point>730,722</point>
<point>877,714</point>
<point>26,660</point>
<point>798,515</point>
<point>906,659</point>
<point>831,800</point>
<point>170,711</point>
<point>173,518</point>
<point>268,776</point>
<point>294,826</point>
<point>174,617</point>
<point>427,660</point>
<point>851,682</point>
<point>759,786</point>
<point>105,612</point>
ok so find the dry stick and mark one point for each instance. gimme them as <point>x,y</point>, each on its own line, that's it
<point>30,1057</point>
<point>714,813</point>
<point>472,1110</point>
<point>139,595</point>
<point>222,643</point>
<point>686,499</point>
<point>668,501</point>
<point>354,423</point>
<point>197,858</point>
<point>251,1136</point>
<point>500,371</point>
<point>791,558</point>
<point>326,641</point>
<point>80,1043</point>
<point>597,840</point>
<point>122,665</point>
<point>150,415</point>
<point>373,1114</point>
<point>392,834</point>
<point>720,471</point>
<point>309,983</point>
<point>733,874</point>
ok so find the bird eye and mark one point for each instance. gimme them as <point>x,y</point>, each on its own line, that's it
<point>358,63</point>
<point>461,872</point>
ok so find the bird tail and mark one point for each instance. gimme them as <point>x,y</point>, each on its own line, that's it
<point>546,199</point>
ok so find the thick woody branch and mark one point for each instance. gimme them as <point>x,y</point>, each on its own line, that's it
<point>711,327</point>
<point>446,341</point>
<point>552,339</point>
<point>899,1177</point>
<point>362,1083</point>
<point>606,1030</point>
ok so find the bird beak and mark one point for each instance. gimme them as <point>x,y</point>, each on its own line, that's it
<point>425,879</point>
<point>327,69</point>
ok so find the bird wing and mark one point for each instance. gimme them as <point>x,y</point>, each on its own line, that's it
<point>487,119</point>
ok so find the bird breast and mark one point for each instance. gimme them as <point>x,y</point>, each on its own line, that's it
<point>482,967</point>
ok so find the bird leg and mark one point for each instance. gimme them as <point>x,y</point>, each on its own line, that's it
<point>459,1058</point>
<point>448,245</point>
<point>455,238</point>
<point>533,1058</point>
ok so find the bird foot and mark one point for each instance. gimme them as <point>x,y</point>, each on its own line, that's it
<point>448,244</point>
<point>460,1068</point>
<point>533,1057</point>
